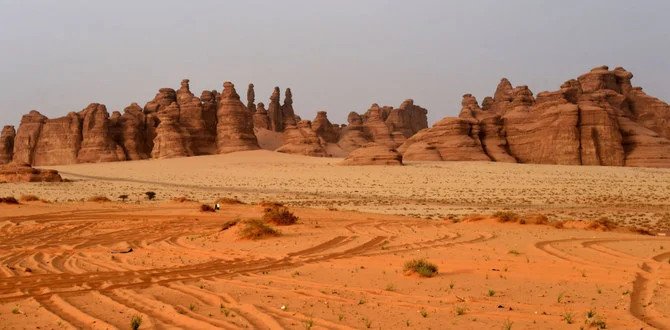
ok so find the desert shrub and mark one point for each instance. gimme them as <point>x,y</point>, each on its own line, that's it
<point>123,197</point>
<point>8,200</point>
<point>607,223</point>
<point>98,198</point>
<point>29,198</point>
<point>270,204</point>
<point>228,200</point>
<point>256,229</point>
<point>535,219</point>
<point>559,225</point>
<point>206,208</point>
<point>182,199</point>
<point>135,322</point>
<point>229,224</point>
<point>421,267</point>
<point>150,195</point>
<point>506,216</point>
<point>279,215</point>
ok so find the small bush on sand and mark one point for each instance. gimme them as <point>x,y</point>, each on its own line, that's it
<point>135,322</point>
<point>8,200</point>
<point>98,199</point>
<point>256,229</point>
<point>270,204</point>
<point>229,224</point>
<point>29,198</point>
<point>182,199</point>
<point>228,200</point>
<point>506,216</point>
<point>206,208</point>
<point>279,215</point>
<point>607,223</point>
<point>534,219</point>
<point>150,195</point>
<point>421,267</point>
<point>123,197</point>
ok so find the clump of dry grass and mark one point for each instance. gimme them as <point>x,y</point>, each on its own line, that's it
<point>206,208</point>
<point>279,215</point>
<point>473,218</point>
<point>229,224</point>
<point>534,219</point>
<point>29,198</point>
<point>270,204</point>
<point>506,216</point>
<point>8,200</point>
<point>228,200</point>
<point>421,267</point>
<point>182,199</point>
<point>98,199</point>
<point>256,229</point>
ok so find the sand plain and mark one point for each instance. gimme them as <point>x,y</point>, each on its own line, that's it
<point>341,266</point>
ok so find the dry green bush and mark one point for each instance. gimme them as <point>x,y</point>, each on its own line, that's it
<point>421,267</point>
<point>256,229</point>
<point>29,198</point>
<point>506,216</point>
<point>279,215</point>
<point>98,199</point>
<point>206,208</point>
<point>228,200</point>
<point>8,200</point>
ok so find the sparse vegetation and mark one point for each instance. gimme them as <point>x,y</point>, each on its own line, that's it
<point>150,195</point>
<point>29,198</point>
<point>460,310</point>
<point>491,292</point>
<point>99,199</point>
<point>279,215</point>
<point>182,199</point>
<point>229,224</point>
<point>270,204</point>
<point>423,313</point>
<point>8,200</point>
<point>591,313</point>
<point>256,229</point>
<point>123,197</point>
<point>309,323</point>
<point>568,317</point>
<point>136,322</point>
<point>560,297</point>
<point>514,252</point>
<point>206,208</point>
<point>228,200</point>
<point>507,325</point>
<point>16,310</point>
<point>421,267</point>
<point>506,216</point>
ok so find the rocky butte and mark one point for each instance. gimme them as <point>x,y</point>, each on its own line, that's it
<point>597,119</point>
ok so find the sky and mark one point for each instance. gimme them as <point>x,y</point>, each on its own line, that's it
<point>338,56</point>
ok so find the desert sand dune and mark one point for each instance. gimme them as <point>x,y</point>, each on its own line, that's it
<point>341,267</point>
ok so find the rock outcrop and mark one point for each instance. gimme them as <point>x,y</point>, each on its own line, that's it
<point>287,113</point>
<point>275,112</point>
<point>171,140</point>
<point>59,142</point>
<point>597,119</point>
<point>97,144</point>
<point>235,130</point>
<point>373,154</point>
<point>16,172</point>
<point>251,98</point>
<point>27,136</point>
<point>7,144</point>
<point>324,128</point>
<point>261,120</point>
<point>302,140</point>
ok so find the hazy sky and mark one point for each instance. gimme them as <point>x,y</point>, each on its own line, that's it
<point>338,56</point>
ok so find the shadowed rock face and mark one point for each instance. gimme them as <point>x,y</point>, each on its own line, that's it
<point>373,154</point>
<point>324,128</point>
<point>275,112</point>
<point>97,144</point>
<point>261,120</point>
<point>7,144</point>
<point>597,119</point>
<point>59,142</point>
<point>27,137</point>
<point>234,131</point>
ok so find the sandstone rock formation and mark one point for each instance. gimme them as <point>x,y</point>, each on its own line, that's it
<point>275,113</point>
<point>373,154</point>
<point>597,119</point>
<point>97,144</point>
<point>234,131</point>
<point>27,136</point>
<point>192,122</point>
<point>16,172</point>
<point>210,104</point>
<point>287,113</point>
<point>302,140</point>
<point>251,97</point>
<point>324,128</point>
<point>7,144</point>
<point>59,142</point>
<point>352,136</point>
<point>261,120</point>
<point>171,140</point>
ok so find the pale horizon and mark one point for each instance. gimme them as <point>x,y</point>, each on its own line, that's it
<point>335,56</point>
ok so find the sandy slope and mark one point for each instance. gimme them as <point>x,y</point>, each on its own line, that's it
<point>335,270</point>
<point>432,189</point>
